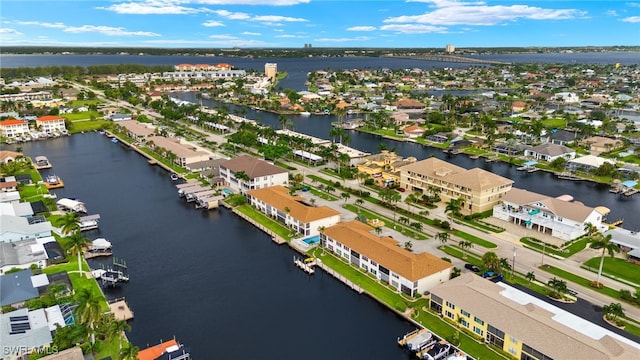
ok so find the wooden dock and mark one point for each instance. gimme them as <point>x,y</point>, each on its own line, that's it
<point>95,254</point>
<point>306,266</point>
<point>407,337</point>
<point>120,309</point>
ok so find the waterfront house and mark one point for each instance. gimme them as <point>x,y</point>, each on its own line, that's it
<point>567,97</point>
<point>16,288</point>
<point>136,130</point>
<point>119,117</point>
<point>9,197</point>
<point>628,241</point>
<point>438,138</point>
<point>383,168</point>
<point>22,254</point>
<point>260,174</point>
<point>184,153</point>
<point>522,325</point>
<point>409,104</point>
<point>8,184</point>
<point>51,124</point>
<point>600,144</point>
<point>389,263</point>
<point>13,128</point>
<point>165,351</point>
<point>587,163</point>
<point>23,209</point>
<point>15,228</point>
<point>549,152</point>
<point>479,189</point>
<point>562,137</point>
<point>23,331</point>
<point>292,211</point>
<point>559,217</point>
<point>9,156</point>
<point>413,131</point>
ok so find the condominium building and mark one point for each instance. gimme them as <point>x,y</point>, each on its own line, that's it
<point>479,189</point>
<point>384,168</point>
<point>12,128</point>
<point>271,70</point>
<point>183,154</point>
<point>51,124</point>
<point>403,270</point>
<point>258,173</point>
<point>524,326</point>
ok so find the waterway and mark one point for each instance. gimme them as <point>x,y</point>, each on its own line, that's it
<point>589,193</point>
<point>210,279</point>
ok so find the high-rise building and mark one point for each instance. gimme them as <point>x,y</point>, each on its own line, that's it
<point>271,70</point>
<point>450,48</point>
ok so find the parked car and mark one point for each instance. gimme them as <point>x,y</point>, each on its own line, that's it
<point>400,189</point>
<point>472,267</point>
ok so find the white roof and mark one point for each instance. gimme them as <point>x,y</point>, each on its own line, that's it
<point>54,316</point>
<point>630,239</point>
<point>307,155</point>
<point>39,280</point>
<point>45,240</point>
<point>100,243</point>
<point>37,249</point>
<point>591,160</point>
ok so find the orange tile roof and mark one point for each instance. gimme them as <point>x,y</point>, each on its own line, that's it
<point>154,352</point>
<point>50,118</point>
<point>278,197</point>
<point>12,122</point>
<point>385,251</point>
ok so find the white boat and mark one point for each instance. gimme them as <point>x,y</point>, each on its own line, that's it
<point>52,180</point>
<point>67,204</point>
<point>305,113</point>
<point>89,222</point>
<point>114,140</point>
<point>100,244</point>
<point>174,176</point>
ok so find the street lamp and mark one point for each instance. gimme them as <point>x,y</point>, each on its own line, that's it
<point>513,266</point>
<point>544,247</point>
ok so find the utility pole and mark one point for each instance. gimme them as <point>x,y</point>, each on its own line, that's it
<point>513,266</point>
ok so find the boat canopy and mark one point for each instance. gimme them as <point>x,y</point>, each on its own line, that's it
<point>100,244</point>
<point>70,204</point>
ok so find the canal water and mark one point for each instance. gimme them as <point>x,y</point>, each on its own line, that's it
<point>589,193</point>
<point>210,279</point>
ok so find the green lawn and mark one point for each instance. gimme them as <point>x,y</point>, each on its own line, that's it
<point>89,125</point>
<point>275,226</point>
<point>572,249</point>
<point>321,194</point>
<point>474,239</point>
<point>82,115</point>
<point>405,229</point>
<point>164,161</point>
<point>75,103</point>
<point>579,280</point>
<point>616,268</point>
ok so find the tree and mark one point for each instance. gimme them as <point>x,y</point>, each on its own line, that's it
<point>129,352</point>
<point>600,240</point>
<point>408,245</point>
<point>491,261</point>
<point>465,245</point>
<point>443,237</point>
<point>89,309</point>
<point>453,208</point>
<point>558,286</point>
<point>378,230</point>
<point>403,220</point>
<point>69,223</point>
<point>242,175</point>
<point>117,328</point>
<point>416,225</point>
<point>359,202</point>
<point>77,244</point>
<point>613,311</point>
<point>531,276</point>
<point>391,197</point>
<point>345,196</point>
<point>504,264</point>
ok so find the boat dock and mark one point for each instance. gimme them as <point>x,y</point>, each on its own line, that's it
<point>198,193</point>
<point>41,162</point>
<point>53,182</point>
<point>209,202</point>
<point>569,176</point>
<point>306,265</point>
<point>626,188</point>
<point>120,309</point>
<point>89,222</point>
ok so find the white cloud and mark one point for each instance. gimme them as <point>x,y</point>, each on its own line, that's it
<point>633,4</point>
<point>7,31</point>
<point>631,19</point>
<point>107,30</point>
<point>276,18</point>
<point>478,13</point>
<point>339,40</point>
<point>289,36</point>
<point>251,33</point>
<point>57,25</point>
<point>232,15</point>
<point>414,28</point>
<point>361,28</point>
<point>212,23</point>
<point>253,2</point>
<point>147,7</point>
<point>612,13</point>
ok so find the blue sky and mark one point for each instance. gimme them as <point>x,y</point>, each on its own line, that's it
<point>322,23</point>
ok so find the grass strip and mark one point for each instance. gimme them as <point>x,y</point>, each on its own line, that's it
<point>273,225</point>
<point>615,268</point>
<point>580,280</point>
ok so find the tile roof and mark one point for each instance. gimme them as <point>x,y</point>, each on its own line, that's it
<point>154,352</point>
<point>566,209</point>
<point>529,323</point>
<point>552,149</point>
<point>433,167</point>
<point>475,179</point>
<point>278,197</point>
<point>252,166</point>
<point>385,251</point>
<point>12,122</point>
<point>50,118</point>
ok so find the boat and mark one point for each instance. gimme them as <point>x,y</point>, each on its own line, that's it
<point>305,113</point>
<point>99,247</point>
<point>71,205</point>
<point>420,341</point>
<point>174,176</point>
<point>89,222</point>
<point>53,182</point>
<point>438,351</point>
<point>114,140</point>
<point>42,163</point>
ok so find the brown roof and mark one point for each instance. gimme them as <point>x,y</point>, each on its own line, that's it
<point>75,353</point>
<point>252,166</point>
<point>528,323</point>
<point>278,197</point>
<point>552,149</point>
<point>566,209</point>
<point>385,251</point>
<point>479,179</point>
<point>433,167</point>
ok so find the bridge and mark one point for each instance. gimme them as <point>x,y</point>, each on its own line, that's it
<point>452,58</point>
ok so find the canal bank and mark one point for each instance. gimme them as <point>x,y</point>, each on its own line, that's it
<point>218,284</point>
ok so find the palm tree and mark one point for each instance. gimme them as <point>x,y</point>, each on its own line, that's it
<point>89,309</point>
<point>359,202</point>
<point>530,276</point>
<point>491,261</point>
<point>613,311</point>
<point>504,264</point>
<point>77,244</point>
<point>408,245</point>
<point>443,237</point>
<point>69,223</point>
<point>345,196</point>
<point>391,197</point>
<point>403,220</point>
<point>378,230</point>
<point>117,328</point>
<point>129,352</point>
<point>465,245</point>
<point>453,208</point>
<point>599,240</point>
<point>559,287</point>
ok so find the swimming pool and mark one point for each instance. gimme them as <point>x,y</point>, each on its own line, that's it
<point>312,240</point>
<point>227,192</point>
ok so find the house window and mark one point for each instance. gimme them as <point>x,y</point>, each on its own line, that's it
<point>453,306</point>
<point>395,276</point>
<point>475,318</point>
<point>364,258</point>
<point>374,263</point>
<point>463,322</point>
<point>513,340</point>
<point>449,314</point>
<point>478,330</point>
<point>512,350</point>
<point>464,313</point>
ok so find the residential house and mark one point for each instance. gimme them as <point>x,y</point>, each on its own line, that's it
<point>409,104</point>
<point>23,209</point>
<point>562,137</point>
<point>523,325</point>
<point>558,217</point>
<point>567,97</point>
<point>51,124</point>
<point>8,184</point>
<point>13,128</point>
<point>184,153</point>
<point>600,144</point>
<point>549,152</point>
<point>136,130</point>
<point>119,117</point>
<point>9,197</point>
<point>22,254</point>
<point>260,173</point>
<point>479,189</point>
<point>15,228</point>
<point>292,211</point>
<point>414,131</point>
<point>587,163</point>
<point>384,168</point>
<point>628,241</point>
<point>24,331</point>
<point>9,156</point>
<point>16,288</point>
<point>439,138</point>
<point>405,271</point>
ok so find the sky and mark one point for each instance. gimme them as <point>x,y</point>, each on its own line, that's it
<point>321,23</point>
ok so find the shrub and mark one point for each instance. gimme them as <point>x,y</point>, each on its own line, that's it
<point>369,182</point>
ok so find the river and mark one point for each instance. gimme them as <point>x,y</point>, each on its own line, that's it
<point>589,193</point>
<point>212,280</point>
